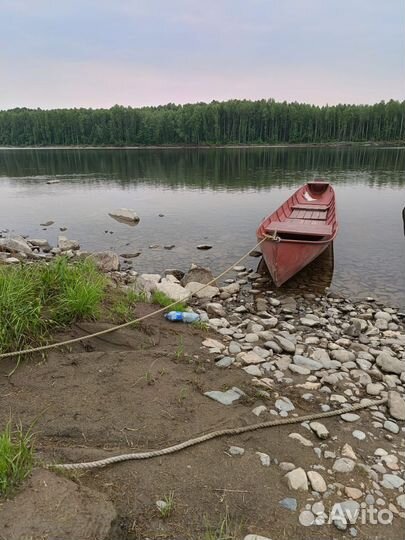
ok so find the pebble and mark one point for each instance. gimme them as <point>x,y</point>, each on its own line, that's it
<point>297,479</point>
<point>396,405</point>
<point>343,465</point>
<point>264,459</point>
<point>349,417</point>
<point>391,481</point>
<point>259,410</point>
<point>256,537</point>
<point>319,429</point>
<point>317,482</point>
<point>391,426</point>
<point>298,437</point>
<point>236,451</point>
<point>284,404</point>
<point>225,362</point>
<point>289,503</point>
<point>359,435</point>
<point>353,493</point>
<point>225,398</point>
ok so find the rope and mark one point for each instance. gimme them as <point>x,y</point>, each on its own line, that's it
<point>135,321</point>
<point>213,435</point>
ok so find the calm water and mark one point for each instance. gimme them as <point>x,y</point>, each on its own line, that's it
<point>214,196</point>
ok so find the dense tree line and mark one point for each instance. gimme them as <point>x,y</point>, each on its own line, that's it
<point>229,122</point>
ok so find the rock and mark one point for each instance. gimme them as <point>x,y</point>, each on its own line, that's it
<point>389,364</point>
<point>317,482</point>
<point>236,451</point>
<point>307,363</point>
<point>53,181</point>
<point>319,429</point>
<point>374,389</point>
<point>39,242</point>
<point>251,338</point>
<point>396,405</point>
<point>284,343</point>
<point>383,315</point>
<point>197,274</point>
<point>391,426</point>
<point>65,245</point>
<point>225,362</point>
<point>391,481</point>
<point>106,261</point>
<point>234,348</point>
<point>353,493</point>
<point>17,244</point>
<point>233,288</point>
<point>297,479</point>
<point>253,370</point>
<point>84,513</point>
<point>204,246</point>
<point>298,437</point>
<point>207,292</point>
<point>225,398</point>
<point>134,255</point>
<point>284,404</point>
<point>125,215</point>
<point>347,451</point>
<point>47,223</point>
<point>264,459</point>
<point>251,358</point>
<point>259,410</point>
<point>174,291</point>
<point>213,344</point>
<point>359,435</point>
<point>343,465</point>
<point>349,417</point>
<point>215,308</point>
<point>401,501</point>
<point>11,260</point>
<point>306,321</point>
<point>289,503</point>
<point>343,356</point>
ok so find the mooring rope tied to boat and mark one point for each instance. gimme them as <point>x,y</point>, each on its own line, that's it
<point>213,435</point>
<point>140,319</point>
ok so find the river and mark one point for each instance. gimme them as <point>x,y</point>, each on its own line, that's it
<point>213,196</point>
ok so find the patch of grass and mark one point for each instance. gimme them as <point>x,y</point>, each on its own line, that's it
<point>201,325</point>
<point>179,352</point>
<point>166,509</point>
<point>123,307</point>
<point>163,300</point>
<point>226,529</point>
<point>37,298</point>
<point>16,457</point>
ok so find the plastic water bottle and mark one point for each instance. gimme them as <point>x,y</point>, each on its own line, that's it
<point>183,316</point>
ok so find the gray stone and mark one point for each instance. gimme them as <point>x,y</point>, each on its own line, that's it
<point>17,244</point>
<point>298,437</point>
<point>359,435</point>
<point>39,242</point>
<point>215,308</point>
<point>344,513</point>
<point>226,398</point>
<point>213,344</point>
<point>343,356</point>
<point>198,274</point>
<point>124,215</point>
<point>225,362</point>
<point>284,343</point>
<point>65,245</point>
<point>233,288</point>
<point>196,289</point>
<point>284,404</point>
<point>389,364</point>
<point>391,426</point>
<point>306,362</point>
<point>343,465</point>
<point>236,451</point>
<point>106,261</point>
<point>264,459</point>
<point>317,482</point>
<point>319,429</point>
<point>374,389</point>
<point>349,417</point>
<point>396,405</point>
<point>391,481</point>
<point>289,503</point>
<point>251,358</point>
<point>253,370</point>
<point>297,479</point>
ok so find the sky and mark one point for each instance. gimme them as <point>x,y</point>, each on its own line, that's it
<point>97,53</point>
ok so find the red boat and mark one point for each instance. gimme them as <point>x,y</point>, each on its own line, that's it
<point>299,231</point>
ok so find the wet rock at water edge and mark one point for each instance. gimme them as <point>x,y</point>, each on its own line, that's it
<point>17,244</point>
<point>106,261</point>
<point>130,255</point>
<point>204,247</point>
<point>125,215</point>
<point>65,245</point>
<point>47,223</point>
<point>197,274</point>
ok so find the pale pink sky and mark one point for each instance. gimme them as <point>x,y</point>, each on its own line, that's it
<point>92,53</point>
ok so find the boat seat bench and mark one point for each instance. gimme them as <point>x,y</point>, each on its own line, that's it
<point>302,228</point>
<point>308,214</point>
<point>321,207</point>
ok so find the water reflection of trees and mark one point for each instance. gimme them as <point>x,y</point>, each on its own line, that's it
<point>215,167</point>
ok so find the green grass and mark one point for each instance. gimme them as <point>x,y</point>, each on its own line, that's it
<point>38,298</point>
<point>167,509</point>
<point>179,352</point>
<point>163,300</point>
<point>227,529</point>
<point>123,307</point>
<point>16,458</point>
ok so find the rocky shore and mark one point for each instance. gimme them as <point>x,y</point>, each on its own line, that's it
<point>306,353</point>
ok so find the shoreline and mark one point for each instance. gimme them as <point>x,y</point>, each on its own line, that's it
<point>343,144</point>
<point>256,356</point>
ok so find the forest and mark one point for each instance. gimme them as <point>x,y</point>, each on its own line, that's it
<point>215,123</point>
